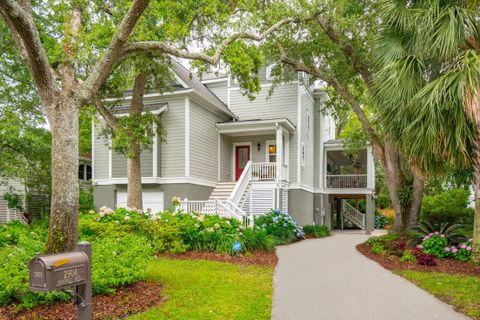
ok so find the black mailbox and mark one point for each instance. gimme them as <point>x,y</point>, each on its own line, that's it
<point>58,271</point>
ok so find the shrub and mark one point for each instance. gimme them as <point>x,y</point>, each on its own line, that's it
<point>86,200</point>
<point>453,232</point>
<point>408,256</point>
<point>10,233</point>
<point>377,249</point>
<point>463,252</point>
<point>435,243</point>
<point>426,259</point>
<point>380,220</point>
<point>316,231</point>
<point>450,206</point>
<point>373,241</point>
<point>281,226</point>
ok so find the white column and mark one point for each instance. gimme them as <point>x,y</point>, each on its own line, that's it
<point>187,137</point>
<point>370,169</point>
<point>279,143</point>
<point>155,152</point>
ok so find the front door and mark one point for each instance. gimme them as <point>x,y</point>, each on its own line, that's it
<point>242,156</point>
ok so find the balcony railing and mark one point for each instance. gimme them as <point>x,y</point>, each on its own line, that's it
<point>264,171</point>
<point>346,181</point>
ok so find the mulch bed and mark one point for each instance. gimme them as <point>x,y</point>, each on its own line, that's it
<point>449,266</point>
<point>128,300</point>
<point>260,258</point>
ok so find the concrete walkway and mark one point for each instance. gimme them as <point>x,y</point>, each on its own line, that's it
<point>327,279</point>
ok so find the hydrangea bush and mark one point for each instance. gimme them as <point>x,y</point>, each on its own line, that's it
<point>437,244</point>
<point>280,225</point>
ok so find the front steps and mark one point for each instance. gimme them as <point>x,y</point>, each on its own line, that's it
<point>222,190</point>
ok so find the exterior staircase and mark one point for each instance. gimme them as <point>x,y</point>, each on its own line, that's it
<point>352,216</point>
<point>222,191</point>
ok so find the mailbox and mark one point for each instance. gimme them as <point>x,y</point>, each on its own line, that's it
<point>54,272</point>
<point>58,271</point>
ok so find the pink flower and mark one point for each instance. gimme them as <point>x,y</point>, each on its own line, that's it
<point>430,234</point>
<point>443,236</point>
<point>447,249</point>
<point>463,246</point>
<point>470,240</point>
<point>426,238</point>
<point>419,246</point>
<point>436,232</point>
<point>454,250</point>
<point>469,248</point>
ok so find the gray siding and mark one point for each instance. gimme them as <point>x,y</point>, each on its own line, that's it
<point>317,148</point>
<point>306,105</point>
<point>203,143</point>
<point>119,164</point>
<point>226,158</point>
<point>301,206</point>
<point>257,156</point>
<point>173,150</point>
<point>100,151</point>
<point>220,89</point>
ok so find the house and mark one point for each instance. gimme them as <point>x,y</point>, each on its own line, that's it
<point>225,154</point>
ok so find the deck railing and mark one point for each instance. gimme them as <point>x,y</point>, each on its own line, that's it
<point>346,181</point>
<point>264,171</point>
<point>225,209</point>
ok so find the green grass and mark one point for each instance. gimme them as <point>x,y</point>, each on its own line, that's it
<point>460,291</point>
<point>210,290</point>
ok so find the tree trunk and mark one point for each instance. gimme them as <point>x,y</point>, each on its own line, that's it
<point>417,196</point>
<point>134,172</point>
<point>476,219</point>
<point>63,233</point>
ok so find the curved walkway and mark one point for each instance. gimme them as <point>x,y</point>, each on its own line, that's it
<point>327,279</point>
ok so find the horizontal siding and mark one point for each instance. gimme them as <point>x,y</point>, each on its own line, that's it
<point>119,164</point>
<point>282,104</point>
<point>203,143</point>
<point>220,89</point>
<point>307,105</point>
<point>226,158</point>
<point>173,150</point>
<point>100,152</point>
<point>262,200</point>
<point>317,144</point>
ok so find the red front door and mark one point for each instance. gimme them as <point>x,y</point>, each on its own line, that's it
<point>242,156</point>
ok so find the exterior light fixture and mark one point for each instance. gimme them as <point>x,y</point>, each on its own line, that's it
<point>258,146</point>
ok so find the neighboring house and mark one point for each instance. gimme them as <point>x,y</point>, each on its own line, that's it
<point>232,156</point>
<point>85,172</point>
<point>9,214</point>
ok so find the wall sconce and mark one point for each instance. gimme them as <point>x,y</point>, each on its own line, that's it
<point>258,146</point>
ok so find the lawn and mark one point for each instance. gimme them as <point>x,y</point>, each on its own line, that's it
<point>462,292</point>
<point>198,289</point>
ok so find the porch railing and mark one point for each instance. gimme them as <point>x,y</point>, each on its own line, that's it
<point>346,181</point>
<point>242,184</point>
<point>264,171</point>
<point>225,209</point>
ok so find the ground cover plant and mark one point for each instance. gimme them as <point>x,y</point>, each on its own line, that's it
<point>125,242</point>
<point>316,231</point>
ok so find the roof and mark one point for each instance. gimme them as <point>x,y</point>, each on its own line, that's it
<point>150,107</point>
<point>193,82</point>
<point>334,141</point>
<point>254,127</point>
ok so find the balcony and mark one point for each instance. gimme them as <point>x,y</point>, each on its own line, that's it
<point>346,181</point>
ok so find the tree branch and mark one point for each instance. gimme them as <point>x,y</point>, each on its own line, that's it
<point>345,93</point>
<point>25,34</point>
<point>336,37</point>
<point>105,113</point>
<point>157,46</point>
<point>104,66</point>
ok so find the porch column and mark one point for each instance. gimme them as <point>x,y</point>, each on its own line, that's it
<point>279,146</point>
<point>370,215</point>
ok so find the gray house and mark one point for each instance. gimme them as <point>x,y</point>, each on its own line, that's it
<point>225,154</point>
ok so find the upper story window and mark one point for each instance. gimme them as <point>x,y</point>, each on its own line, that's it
<point>303,154</point>
<point>271,151</point>
<point>308,122</point>
<point>269,72</point>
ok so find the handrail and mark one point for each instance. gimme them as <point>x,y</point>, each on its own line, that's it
<point>241,184</point>
<point>264,171</point>
<point>225,209</point>
<point>356,215</point>
<point>346,181</point>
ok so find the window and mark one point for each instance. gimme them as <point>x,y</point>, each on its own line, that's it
<point>303,154</point>
<point>271,151</point>
<point>269,71</point>
<point>81,172</point>
<point>309,122</point>
<point>89,172</point>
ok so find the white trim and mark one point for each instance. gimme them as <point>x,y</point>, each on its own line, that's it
<point>236,144</point>
<point>296,186</point>
<point>214,80</point>
<point>157,180</point>
<point>229,83</point>
<point>267,154</point>
<point>299,136</point>
<point>308,122</point>
<point>219,157</point>
<point>266,85</point>
<point>187,136</point>
<point>151,95</point>
<point>182,83</point>
<point>155,152</point>
<point>253,126</point>
<point>110,157</point>
<point>93,149</point>
<point>156,112</point>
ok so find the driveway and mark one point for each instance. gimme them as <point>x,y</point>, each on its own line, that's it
<point>327,279</point>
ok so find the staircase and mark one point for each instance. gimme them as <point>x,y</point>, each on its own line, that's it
<point>352,215</point>
<point>222,191</point>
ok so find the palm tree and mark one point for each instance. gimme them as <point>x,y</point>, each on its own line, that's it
<point>428,84</point>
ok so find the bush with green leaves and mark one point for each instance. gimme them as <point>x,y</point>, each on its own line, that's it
<point>378,248</point>
<point>450,207</point>
<point>434,243</point>
<point>408,256</point>
<point>281,226</point>
<point>316,231</point>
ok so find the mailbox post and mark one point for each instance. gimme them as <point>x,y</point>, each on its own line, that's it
<point>56,272</point>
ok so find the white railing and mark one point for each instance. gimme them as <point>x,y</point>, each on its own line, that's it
<point>242,184</point>
<point>224,209</point>
<point>347,181</point>
<point>264,171</point>
<point>353,215</point>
